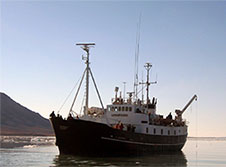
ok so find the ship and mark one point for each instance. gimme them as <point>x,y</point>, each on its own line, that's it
<point>128,126</point>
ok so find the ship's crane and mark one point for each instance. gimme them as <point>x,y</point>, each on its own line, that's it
<point>180,112</point>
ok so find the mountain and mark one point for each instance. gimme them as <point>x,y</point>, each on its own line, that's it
<point>18,120</point>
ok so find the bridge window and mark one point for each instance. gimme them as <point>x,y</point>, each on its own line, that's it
<point>175,132</point>
<point>126,108</point>
<point>161,131</point>
<point>179,130</point>
<point>168,132</point>
<point>146,130</point>
<point>119,108</point>
<point>154,131</point>
<point>130,108</point>
<point>112,109</point>
<point>122,108</point>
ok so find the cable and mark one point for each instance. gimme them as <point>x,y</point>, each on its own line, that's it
<point>68,96</point>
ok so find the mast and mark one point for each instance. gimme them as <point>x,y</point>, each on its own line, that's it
<point>148,67</point>
<point>142,97</point>
<point>86,47</point>
<point>124,91</point>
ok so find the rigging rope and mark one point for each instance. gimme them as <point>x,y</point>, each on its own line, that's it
<point>196,122</point>
<point>68,96</point>
<point>141,90</point>
<point>77,90</point>
<point>196,131</point>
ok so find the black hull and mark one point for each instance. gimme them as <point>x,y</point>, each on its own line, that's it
<point>79,137</point>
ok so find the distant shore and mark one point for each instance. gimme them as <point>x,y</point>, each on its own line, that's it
<point>52,135</point>
<point>25,141</point>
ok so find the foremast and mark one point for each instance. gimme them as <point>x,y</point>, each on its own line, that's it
<point>86,47</point>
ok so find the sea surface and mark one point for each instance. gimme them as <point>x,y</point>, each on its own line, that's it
<point>36,151</point>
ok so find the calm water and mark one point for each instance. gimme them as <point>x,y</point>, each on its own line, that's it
<point>40,152</point>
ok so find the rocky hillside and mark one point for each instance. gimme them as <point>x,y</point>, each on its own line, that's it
<point>18,120</point>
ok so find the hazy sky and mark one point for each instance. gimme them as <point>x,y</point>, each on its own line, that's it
<point>185,42</point>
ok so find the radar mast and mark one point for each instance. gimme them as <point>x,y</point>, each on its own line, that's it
<point>86,47</point>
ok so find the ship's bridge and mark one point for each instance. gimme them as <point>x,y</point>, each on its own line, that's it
<point>128,113</point>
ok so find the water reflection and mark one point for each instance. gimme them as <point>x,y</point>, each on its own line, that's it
<point>166,159</point>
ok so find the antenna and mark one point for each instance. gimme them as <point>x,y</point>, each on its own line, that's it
<point>137,58</point>
<point>85,44</point>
